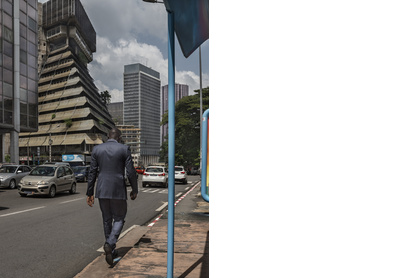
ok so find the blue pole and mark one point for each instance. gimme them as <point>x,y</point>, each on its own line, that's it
<point>171,144</point>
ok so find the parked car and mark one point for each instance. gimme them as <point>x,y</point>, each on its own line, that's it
<point>155,175</point>
<point>48,180</point>
<point>180,174</point>
<point>139,169</point>
<point>10,175</point>
<point>81,173</point>
<point>194,171</point>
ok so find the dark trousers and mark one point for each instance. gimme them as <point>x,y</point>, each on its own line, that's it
<point>113,212</point>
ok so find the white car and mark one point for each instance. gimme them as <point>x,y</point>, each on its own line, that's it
<point>180,174</point>
<point>155,175</point>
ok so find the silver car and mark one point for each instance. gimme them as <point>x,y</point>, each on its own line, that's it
<point>10,175</point>
<point>48,180</point>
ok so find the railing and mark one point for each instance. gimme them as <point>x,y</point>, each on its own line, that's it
<point>205,157</point>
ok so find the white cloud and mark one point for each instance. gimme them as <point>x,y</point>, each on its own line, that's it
<point>109,60</point>
<point>127,19</point>
<point>122,27</point>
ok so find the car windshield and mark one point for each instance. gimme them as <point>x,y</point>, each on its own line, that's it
<point>154,170</point>
<point>79,170</point>
<point>8,169</point>
<point>178,168</point>
<point>43,171</point>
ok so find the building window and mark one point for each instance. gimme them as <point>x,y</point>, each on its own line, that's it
<point>8,34</point>
<point>53,31</point>
<point>32,24</point>
<point>23,56</point>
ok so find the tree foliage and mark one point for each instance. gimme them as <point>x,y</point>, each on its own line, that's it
<point>187,130</point>
<point>105,97</point>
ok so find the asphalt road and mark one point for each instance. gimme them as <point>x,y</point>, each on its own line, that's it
<point>58,237</point>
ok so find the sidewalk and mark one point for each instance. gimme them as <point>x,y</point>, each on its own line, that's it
<point>143,250</point>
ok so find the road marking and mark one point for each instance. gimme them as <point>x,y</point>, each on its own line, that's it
<point>22,211</point>
<point>187,188</point>
<point>72,200</point>
<point>162,207</point>
<point>179,194</point>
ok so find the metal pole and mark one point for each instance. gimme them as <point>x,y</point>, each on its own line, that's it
<point>14,134</point>
<point>171,145</point>
<point>50,143</point>
<point>201,108</point>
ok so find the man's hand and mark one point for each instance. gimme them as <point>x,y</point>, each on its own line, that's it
<point>90,200</point>
<point>133,195</point>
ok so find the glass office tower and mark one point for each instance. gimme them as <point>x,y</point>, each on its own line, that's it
<point>18,73</point>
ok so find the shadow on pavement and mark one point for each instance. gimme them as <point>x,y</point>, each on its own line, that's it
<point>204,261</point>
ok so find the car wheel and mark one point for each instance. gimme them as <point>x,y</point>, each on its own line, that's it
<point>166,184</point>
<point>73,188</point>
<point>52,191</point>
<point>13,184</point>
<point>144,184</point>
<point>185,181</point>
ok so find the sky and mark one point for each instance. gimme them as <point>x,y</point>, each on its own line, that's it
<point>133,31</point>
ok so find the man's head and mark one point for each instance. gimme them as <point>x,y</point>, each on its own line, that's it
<point>115,134</point>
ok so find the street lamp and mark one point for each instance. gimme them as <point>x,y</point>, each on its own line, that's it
<point>51,143</point>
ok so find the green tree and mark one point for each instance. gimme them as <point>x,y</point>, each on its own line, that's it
<point>105,97</point>
<point>187,130</point>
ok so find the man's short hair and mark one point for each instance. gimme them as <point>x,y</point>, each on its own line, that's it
<point>114,133</point>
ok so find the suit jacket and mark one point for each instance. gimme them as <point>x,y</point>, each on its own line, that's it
<point>109,161</point>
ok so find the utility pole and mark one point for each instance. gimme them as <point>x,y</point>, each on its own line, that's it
<point>201,105</point>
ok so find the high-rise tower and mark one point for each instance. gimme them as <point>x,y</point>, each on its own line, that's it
<point>72,116</point>
<point>142,108</point>
<point>18,74</point>
<point>181,91</point>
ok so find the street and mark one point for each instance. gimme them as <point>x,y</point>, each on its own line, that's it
<point>58,237</point>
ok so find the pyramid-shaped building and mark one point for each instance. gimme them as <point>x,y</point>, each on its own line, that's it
<point>72,116</point>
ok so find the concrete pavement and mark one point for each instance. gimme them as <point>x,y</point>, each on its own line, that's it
<point>143,250</point>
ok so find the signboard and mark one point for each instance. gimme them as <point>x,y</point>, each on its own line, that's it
<point>73,158</point>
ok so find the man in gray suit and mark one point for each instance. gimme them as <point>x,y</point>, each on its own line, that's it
<point>109,161</point>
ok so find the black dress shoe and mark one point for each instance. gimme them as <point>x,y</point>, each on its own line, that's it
<point>109,253</point>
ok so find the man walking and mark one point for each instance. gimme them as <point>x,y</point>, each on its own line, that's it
<point>109,161</point>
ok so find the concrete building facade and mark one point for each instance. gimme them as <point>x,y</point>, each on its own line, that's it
<point>116,110</point>
<point>72,117</point>
<point>142,108</point>
<point>181,91</point>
